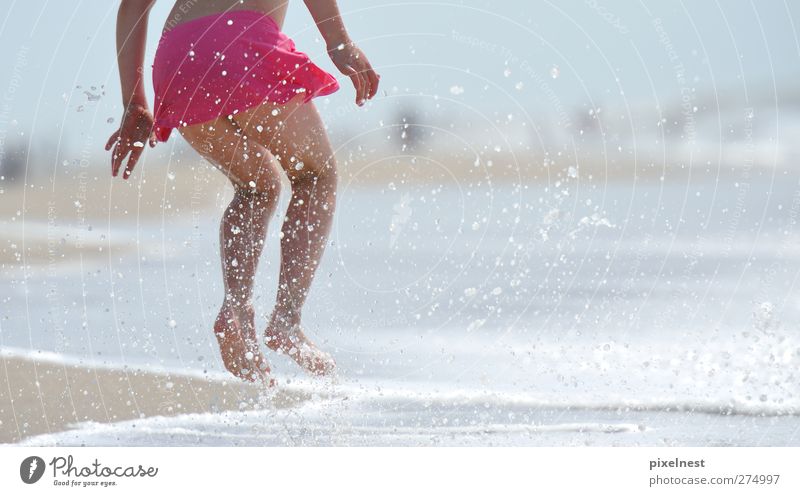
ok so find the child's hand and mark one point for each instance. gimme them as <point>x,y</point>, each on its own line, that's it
<point>353,63</point>
<point>135,129</point>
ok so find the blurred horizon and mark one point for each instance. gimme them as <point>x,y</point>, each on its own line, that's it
<point>601,84</point>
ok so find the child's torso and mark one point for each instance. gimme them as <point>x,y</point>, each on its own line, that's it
<point>186,10</point>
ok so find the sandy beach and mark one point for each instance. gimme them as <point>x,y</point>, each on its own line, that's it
<point>70,216</point>
<point>43,396</point>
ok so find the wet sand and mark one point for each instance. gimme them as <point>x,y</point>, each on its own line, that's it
<point>42,396</point>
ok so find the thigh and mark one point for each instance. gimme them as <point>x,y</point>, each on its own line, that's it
<point>246,163</point>
<point>294,133</point>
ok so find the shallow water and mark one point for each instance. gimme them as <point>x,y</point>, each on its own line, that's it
<point>656,313</point>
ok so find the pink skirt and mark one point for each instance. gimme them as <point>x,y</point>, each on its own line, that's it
<point>221,64</point>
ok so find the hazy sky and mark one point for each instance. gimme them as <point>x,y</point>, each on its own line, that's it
<point>493,56</point>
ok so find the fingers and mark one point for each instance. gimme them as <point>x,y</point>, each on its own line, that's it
<point>135,154</point>
<point>367,86</point>
<point>113,139</point>
<point>362,89</point>
<point>368,83</point>
<point>358,83</point>
<point>355,65</point>
<point>129,140</point>
<point>117,156</point>
<point>122,149</point>
<point>373,79</point>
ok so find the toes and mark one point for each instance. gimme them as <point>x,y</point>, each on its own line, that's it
<point>242,373</point>
<point>261,373</point>
<point>239,346</point>
<point>320,363</point>
<point>325,368</point>
<point>302,351</point>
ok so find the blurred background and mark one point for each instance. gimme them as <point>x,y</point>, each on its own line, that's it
<point>608,85</point>
<point>584,205</point>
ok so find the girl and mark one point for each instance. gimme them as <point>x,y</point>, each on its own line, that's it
<point>234,86</point>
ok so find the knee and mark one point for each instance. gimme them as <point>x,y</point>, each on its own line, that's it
<point>318,177</point>
<point>267,185</point>
<point>261,192</point>
<point>262,180</point>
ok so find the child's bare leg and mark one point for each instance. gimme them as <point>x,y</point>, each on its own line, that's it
<point>304,236</point>
<point>243,229</point>
<point>297,137</point>
<point>242,233</point>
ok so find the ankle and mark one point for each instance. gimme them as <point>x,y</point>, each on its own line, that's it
<point>237,305</point>
<point>284,319</point>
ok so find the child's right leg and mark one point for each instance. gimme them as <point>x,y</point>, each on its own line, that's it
<point>256,180</point>
<point>296,135</point>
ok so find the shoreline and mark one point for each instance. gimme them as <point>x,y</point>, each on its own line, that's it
<point>46,397</point>
<point>49,399</point>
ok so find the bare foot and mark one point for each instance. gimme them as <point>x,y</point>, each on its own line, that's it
<point>289,338</point>
<point>247,322</point>
<point>239,346</point>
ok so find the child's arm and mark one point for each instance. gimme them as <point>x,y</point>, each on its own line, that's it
<point>344,54</point>
<point>136,127</point>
